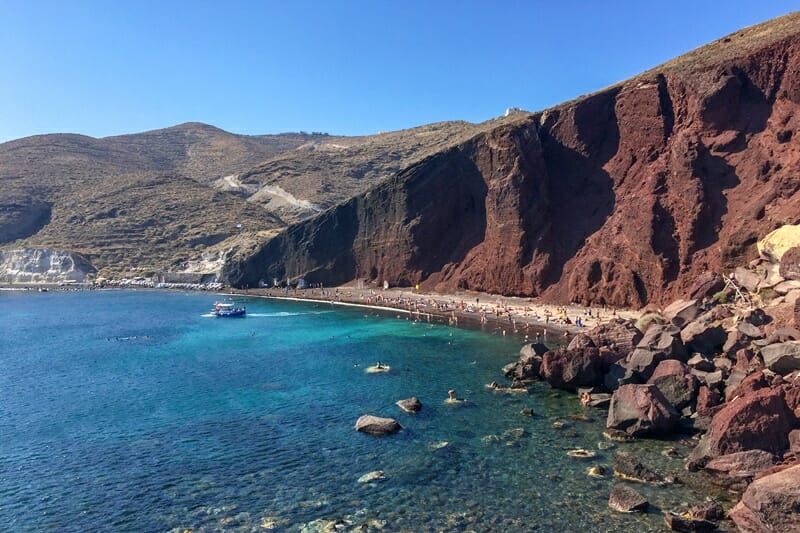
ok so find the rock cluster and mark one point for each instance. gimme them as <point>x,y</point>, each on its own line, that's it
<point>727,372</point>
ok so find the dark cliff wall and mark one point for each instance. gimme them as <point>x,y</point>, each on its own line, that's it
<point>619,198</point>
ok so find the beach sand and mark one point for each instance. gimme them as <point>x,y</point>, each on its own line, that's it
<point>497,314</point>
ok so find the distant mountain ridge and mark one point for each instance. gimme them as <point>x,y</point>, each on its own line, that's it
<point>156,199</point>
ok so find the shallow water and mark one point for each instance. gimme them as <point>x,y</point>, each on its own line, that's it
<point>132,411</point>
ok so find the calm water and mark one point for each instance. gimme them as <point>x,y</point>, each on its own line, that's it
<point>130,411</point>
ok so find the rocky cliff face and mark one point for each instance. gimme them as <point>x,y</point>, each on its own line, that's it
<point>621,198</point>
<point>43,266</point>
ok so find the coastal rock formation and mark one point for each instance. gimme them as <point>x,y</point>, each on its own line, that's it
<point>676,383</point>
<point>570,369</point>
<point>738,469</point>
<point>659,343</point>
<point>790,264</point>
<point>760,420</point>
<point>771,503</point>
<point>617,334</point>
<point>676,173</point>
<point>640,410</point>
<point>44,266</point>
<point>375,425</point>
<point>782,358</point>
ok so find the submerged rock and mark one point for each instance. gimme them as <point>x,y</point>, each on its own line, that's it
<point>626,500</point>
<point>629,467</point>
<point>372,476</point>
<point>580,453</point>
<point>687,524</point>
<point>596,471</point>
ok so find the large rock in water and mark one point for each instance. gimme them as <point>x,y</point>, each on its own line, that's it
<point>676,383</point>
<point>640,410</point>
<point>771,503</point>
<point>532,349</point>
<point>760,420</point>
<point>410,405</point>
<point>570,369</point>
<point>782,358</point>
<point>375,425</point>
<point>629,467</point>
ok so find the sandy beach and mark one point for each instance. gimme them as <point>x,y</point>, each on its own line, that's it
<point>524,317</point>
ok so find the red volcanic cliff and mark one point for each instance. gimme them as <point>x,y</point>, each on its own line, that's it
<point>620,198</point>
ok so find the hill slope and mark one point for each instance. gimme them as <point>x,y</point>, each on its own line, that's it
<point>621,197</point>
<point>157,198</point>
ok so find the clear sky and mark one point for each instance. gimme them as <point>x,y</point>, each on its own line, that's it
<point>343,67</point>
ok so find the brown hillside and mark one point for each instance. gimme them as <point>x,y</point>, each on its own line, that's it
<point>122,200</point>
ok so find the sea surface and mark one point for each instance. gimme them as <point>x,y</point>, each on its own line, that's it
<point>136,411</point>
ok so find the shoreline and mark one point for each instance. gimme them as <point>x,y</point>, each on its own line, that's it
<point>502,315</point>
<point>526,318</point>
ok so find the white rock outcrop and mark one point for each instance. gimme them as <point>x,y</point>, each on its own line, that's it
<point>43,266</point>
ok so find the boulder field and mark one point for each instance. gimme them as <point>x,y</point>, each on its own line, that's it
<point>726,375</point>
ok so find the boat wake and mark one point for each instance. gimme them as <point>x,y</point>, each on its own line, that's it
<point>286,313</point>
<point>273,315</point>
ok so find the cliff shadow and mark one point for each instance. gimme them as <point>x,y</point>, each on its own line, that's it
<point>446,210</point>
<point>581,192</point>
<point>716,176</point>
<point>320,250</point>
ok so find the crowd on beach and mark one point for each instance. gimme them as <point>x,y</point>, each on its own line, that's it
<point>511,315</point>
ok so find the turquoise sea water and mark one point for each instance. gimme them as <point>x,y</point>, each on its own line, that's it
<point>131,411</point>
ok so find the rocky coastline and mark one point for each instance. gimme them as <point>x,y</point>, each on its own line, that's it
<point>720,370</point>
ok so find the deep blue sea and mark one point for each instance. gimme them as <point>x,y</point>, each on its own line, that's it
<point>131,411</point>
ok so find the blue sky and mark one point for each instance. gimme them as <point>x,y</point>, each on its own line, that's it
<point>343,67</point>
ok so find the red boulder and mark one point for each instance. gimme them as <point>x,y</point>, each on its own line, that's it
<point>760,420</point>
<point>771,503</point>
